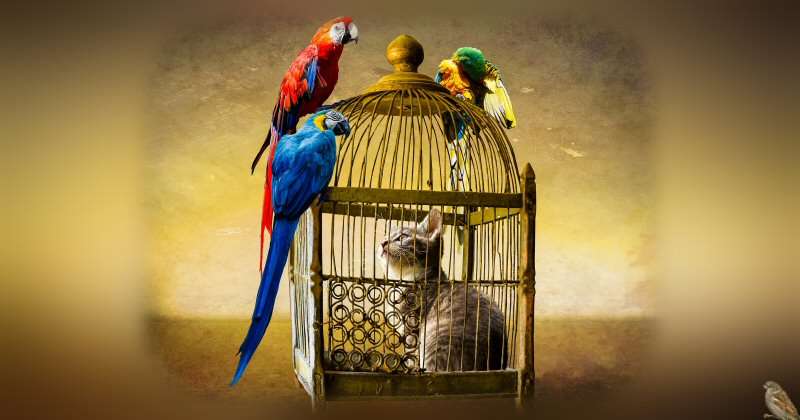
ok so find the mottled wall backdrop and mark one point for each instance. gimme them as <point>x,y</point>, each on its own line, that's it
<point>583,102</point>
<point>98,94</point>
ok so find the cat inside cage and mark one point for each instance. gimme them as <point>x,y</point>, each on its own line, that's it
<point>414,253</point>
<point>407,307</point>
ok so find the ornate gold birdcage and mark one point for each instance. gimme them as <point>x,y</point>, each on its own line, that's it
<point>359,332</point>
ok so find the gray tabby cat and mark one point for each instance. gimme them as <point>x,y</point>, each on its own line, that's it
<point>446,341</point>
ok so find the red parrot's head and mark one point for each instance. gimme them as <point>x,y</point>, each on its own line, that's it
<point>337,31</point>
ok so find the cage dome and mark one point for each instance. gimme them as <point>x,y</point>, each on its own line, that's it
<point>403,135</point>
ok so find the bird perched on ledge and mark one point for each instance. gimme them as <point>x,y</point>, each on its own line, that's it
<point>778,403</point>
<point>301,169</point>
<point>305,87</point>
<point>468,75</point>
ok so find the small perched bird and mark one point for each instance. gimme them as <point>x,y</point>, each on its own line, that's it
<point>778,403</point>
<point>469,76</point>
<point>305,87</point>
<point>301,169</point>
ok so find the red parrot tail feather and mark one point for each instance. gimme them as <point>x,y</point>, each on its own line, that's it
<point>268,191</point>
<point>276,112</point>
<point>266,207</point>
<point>266,214</point>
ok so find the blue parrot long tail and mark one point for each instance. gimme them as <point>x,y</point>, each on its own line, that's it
<point>282,235</point>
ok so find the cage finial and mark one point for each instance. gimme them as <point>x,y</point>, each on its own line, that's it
<point>405,53</point>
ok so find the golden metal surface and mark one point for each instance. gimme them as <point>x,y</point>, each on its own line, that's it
<point>527,291</point>
<point>405,54</point>
<point>357,385</point>
<point>400,196</point>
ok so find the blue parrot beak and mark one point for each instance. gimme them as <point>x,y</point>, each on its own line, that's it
<point>342,128</point>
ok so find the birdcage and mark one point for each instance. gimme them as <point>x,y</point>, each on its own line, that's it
<point>359,330</point>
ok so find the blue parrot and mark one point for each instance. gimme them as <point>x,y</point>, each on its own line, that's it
<point>302,167</point>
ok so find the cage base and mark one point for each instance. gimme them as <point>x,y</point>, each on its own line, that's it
<point>342,386</point>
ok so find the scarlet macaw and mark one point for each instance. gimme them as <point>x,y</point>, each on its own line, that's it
<point>302,166</point>
<point>305,87</point>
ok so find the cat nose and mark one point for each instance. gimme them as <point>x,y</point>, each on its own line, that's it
<point>383,243</point>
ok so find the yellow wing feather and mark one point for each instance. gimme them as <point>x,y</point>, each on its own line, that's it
<point>497,101</point>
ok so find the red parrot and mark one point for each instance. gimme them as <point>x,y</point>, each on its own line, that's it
<point>305,87</point>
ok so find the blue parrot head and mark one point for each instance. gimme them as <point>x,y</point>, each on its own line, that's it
<point>332,120</point>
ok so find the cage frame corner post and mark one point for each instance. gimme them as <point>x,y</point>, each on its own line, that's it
<point>527,290</point>
<point>317,391</point>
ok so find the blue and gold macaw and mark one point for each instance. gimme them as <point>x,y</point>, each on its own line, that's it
<point>301,169</point>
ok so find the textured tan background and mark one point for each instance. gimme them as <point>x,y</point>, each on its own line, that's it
<point>77,145</point>
<point>584,104</point>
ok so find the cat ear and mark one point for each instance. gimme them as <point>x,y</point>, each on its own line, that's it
<point>432,225</point>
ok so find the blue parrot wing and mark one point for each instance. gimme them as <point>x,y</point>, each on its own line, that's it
<point>301,171</point>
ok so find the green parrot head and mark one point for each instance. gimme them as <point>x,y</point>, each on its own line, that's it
<point>471,61</point>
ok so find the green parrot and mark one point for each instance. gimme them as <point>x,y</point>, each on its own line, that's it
<point>470,76</point>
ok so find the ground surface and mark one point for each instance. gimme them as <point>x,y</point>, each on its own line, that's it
<point>575,358</point>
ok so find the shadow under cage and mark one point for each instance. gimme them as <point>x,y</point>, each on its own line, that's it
<point>414,277</point>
